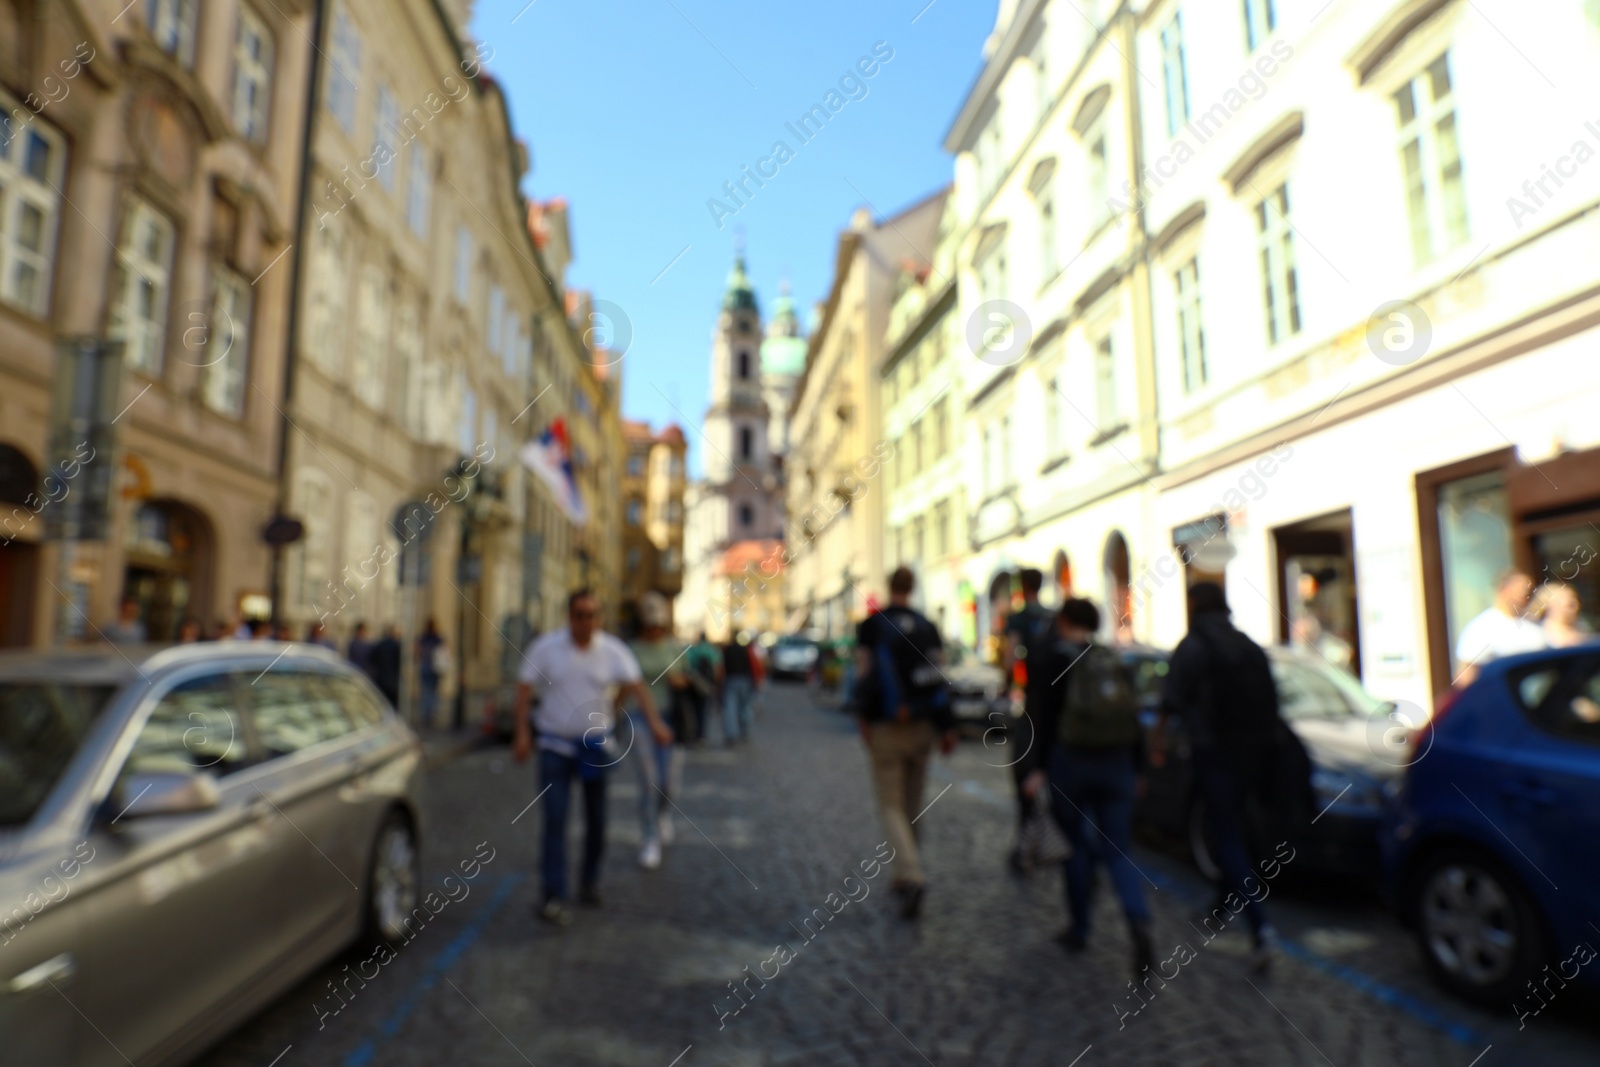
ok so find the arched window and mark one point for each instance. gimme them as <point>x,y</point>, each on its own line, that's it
<point>1119,586</point>
<point>744,366</point>
<point>747,442</point>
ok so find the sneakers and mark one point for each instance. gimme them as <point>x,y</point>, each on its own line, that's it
<point>554,912</point>
<point>650,855</point>
<point>669,832</point>
<point>1265,951</point>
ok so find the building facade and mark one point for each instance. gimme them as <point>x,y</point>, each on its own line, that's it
<point>150,162</point>
<point>652,511</point>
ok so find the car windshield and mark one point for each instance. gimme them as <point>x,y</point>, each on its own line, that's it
<point>41,726</point>
<point>1313,691</point>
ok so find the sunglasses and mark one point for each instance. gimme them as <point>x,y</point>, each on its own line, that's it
<point>584,614</point>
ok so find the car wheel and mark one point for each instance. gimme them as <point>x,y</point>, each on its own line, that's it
<point>392,885</point>
<point>1479,930</point>
<point>1202,849</point>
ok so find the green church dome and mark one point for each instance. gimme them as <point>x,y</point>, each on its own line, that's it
<point>741,296</point>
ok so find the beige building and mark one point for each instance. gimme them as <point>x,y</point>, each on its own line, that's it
<point>834,544</point>
<point>427,328</point>
<point>150,167</point>
<point>652,485</point>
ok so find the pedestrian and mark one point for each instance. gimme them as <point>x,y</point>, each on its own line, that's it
<point>659,766</point>
<point>1555,604</point>
<point>359,651</point>
<point>571,669</point>
<point>738,689</point>
<point>189,631</point>
<point>386,663</point>
<point>1025,629</point>
<point>317,634</point>
<point>1088,758</point>
<point>902,703</point>
<point>129,628</point>
<point>1220,684</point>
<point>1502,629</point>
<point>260,630</point>
<point>281,632</point>
<point>432,659</point>
<point>701,663</point>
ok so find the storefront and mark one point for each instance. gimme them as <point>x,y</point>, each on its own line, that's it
<point>1482,516</point>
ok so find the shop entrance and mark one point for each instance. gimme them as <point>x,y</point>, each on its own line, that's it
<point>19,560</point>
<point>169,555</point>
<point>1317,608</point>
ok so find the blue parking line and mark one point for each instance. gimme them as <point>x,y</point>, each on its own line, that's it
<point>1418,1009</point>
<point>363,1053</point>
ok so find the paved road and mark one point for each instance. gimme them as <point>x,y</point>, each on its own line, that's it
<point>768,836</point>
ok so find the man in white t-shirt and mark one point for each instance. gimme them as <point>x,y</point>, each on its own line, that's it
<point>579,673</point>
<point>1502,630</point>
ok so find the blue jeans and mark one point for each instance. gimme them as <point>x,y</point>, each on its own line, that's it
<point>658,769</point>
<point>429,696</point>
<point>557,772</point>
<point>1226,780</point>
<point>737,692</point>
<point>1096,814</point>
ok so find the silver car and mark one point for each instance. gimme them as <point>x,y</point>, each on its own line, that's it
<point>184,834</point>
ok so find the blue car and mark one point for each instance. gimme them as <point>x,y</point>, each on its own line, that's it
<point>1493,852</point>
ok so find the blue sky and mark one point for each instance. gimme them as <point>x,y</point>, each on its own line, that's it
<point>637,113</point>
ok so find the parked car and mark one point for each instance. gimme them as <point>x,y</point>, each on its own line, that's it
<point>1499,808</point>
<point>792,658</point>
<point>1332,715</point>
<point>185,833</point>
<point>978,692</point>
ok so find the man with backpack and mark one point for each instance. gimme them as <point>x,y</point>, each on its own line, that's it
<point>1089,752</point>
<point>1027,630</point>
<point>1220,684</point>
<point>902,701</point>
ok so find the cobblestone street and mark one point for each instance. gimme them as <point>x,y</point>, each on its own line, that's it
<point>766,834</point>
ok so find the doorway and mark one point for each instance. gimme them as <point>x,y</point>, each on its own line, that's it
<point>1118,569</point>
<point>1317,606</point>
<point>168,566</point>
<point>19,560</point>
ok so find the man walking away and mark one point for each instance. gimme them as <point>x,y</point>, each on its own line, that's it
<point>1030,626</point>
<point>575,670</point>
<point>1089,753</point>
<point>903,704</point>
<point>360,649</point>
<point>386,664</point>
<point>1220,683</point>
<point>738,689</point>
<point>659,766</point>
<point>701,663</point>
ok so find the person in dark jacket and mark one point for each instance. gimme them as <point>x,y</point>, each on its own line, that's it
<point>1090,764</point>
<point>1220,684</point>
<point>359,651</point>
<point>1026,628</point>
<point>386,664</point>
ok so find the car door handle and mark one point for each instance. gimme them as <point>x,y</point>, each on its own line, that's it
<point>1528,793</point>
<point>56,970</point>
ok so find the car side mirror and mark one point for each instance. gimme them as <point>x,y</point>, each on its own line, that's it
<point>168,794</point>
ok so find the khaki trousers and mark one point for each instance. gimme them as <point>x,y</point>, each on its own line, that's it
<point>900,754</point>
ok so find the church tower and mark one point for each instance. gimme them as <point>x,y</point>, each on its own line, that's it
<point>741,475</point>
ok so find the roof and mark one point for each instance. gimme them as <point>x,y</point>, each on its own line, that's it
<point>740,295</point>
<point>740,556</point>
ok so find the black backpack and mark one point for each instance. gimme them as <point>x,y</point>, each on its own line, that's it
<point>1102,705</point>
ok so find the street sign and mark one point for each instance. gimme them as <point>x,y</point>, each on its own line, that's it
<point>83,413</point>
<point>282,530</point>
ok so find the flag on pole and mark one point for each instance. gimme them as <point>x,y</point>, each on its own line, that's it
<point>550,457</point>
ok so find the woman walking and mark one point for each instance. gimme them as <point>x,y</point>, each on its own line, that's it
<point>659,766</point>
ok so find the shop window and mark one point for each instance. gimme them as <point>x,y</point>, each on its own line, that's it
<point>1475,548</point>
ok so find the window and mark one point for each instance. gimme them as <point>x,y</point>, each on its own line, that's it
<point>369,371</point>
<point>1260,19</point>
<point>918,539</point>
<point>358,702</point>
<point>1277,265</point>
<point>1562,697</point>
<point>633,559</point>
<point>314,500</point>
<point>941,427</point>
<point>1475,547</point>
<point>1041,72</point>
<point>988,153</point>
<point>1191,336</point>
<point>44,724</point>
<point>494,330</point>
<point>408,353</point>
<point>636,512</point>
<point>418,186</point>
<point>1055,438</point>
<point>747,442</point>
<point>1174,74</point>
<point>941,528</point>
<point>252,76</point>
<point>1047,234</point>
<point>385,133</point>
<point>1431,156</point>
<point>139,316</point>
<point>467,428</point>
<point>1097,172</point>
<point>1105,386</point>
<point>172,25</point>
<point>636,465</point>
<point>747,516</point>
<point>31,163</point>
<point>291,713</point>
<point>194,727</point>
<point>326,317</point>
<point>227,345</point>
<point>669,561</point>
<point>463,272</point>
<point>674,511</point>
<point>344,71</point>
<point>992,273</point>
<point>744,365</point>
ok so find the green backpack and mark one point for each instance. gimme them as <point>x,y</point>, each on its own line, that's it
<point>1102,706</point>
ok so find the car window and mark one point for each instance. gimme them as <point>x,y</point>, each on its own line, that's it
<point>356,700</point>
<point>1562,697</point>
<point>194,727</point>
<point>290,713</point>
<point>1304,692</point>
<point>41,726</point>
